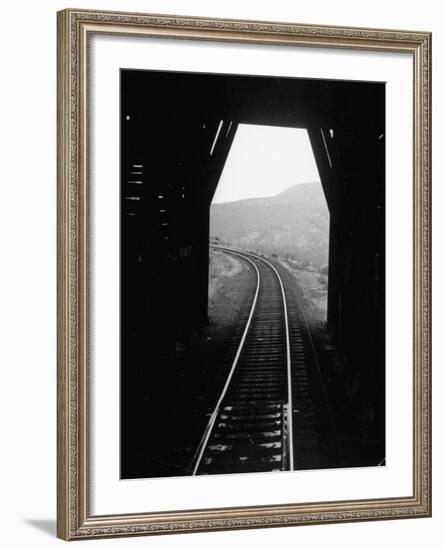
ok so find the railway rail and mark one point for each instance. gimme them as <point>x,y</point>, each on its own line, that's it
<point>267,389</point>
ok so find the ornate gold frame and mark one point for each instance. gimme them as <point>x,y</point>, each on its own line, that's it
<point>74,29</point>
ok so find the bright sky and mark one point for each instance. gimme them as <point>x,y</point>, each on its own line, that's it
<point>265,160</point>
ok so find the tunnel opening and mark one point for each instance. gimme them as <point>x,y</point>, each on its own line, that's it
<point>269,200</point>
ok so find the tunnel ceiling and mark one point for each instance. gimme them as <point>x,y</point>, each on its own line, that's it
<point>256,100</point>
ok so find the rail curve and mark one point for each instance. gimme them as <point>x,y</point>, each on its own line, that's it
<point>251,426</point>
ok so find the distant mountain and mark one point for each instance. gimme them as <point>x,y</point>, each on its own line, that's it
<point>295,222</point>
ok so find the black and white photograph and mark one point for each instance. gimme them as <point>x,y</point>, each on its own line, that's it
<point>252,274</point>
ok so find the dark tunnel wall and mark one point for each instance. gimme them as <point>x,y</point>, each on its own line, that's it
<point>169,176</point>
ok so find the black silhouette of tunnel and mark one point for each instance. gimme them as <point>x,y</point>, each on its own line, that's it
<point>176,133</point>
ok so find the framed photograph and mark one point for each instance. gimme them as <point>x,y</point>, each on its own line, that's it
<point>243,274</point>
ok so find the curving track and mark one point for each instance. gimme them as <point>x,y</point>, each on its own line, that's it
<point>251,427</point>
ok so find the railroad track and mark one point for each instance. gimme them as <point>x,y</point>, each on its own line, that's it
<point>251,427</point>
<point>273,412</point>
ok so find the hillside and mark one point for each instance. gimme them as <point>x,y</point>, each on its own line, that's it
<point>293,223</point>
